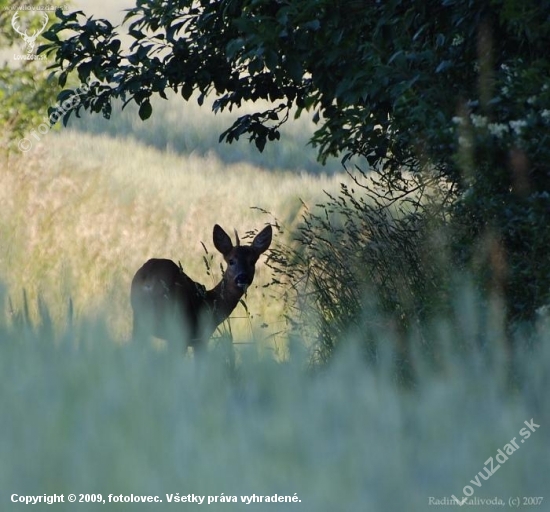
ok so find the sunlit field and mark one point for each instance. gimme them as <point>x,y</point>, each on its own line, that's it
<point>254,424</point>
<point>83,212</point>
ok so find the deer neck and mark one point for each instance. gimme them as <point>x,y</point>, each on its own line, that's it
<point>222,300</point>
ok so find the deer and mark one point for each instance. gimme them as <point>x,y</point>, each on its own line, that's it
<point>168,304</point>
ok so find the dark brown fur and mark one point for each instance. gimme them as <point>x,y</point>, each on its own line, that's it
<point>168,304</point>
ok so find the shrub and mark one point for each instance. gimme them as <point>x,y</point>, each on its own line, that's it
<point>362,261</point>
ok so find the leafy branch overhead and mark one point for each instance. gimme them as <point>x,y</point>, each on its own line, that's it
<point>382,79</point>
<point>356,64</point>
<point>183,49</point>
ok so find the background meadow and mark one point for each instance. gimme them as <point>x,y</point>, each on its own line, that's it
<point>86,410</point>
<point>85,210</point>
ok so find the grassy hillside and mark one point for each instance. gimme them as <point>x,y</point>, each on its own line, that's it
<point>187,128</point>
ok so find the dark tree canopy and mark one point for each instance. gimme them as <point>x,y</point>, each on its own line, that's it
<point>384,79</point>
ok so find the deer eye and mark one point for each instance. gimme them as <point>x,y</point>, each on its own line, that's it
<point>232,261</point>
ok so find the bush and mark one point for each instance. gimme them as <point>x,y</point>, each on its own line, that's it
<point>501,218</point>
<point>361,262</point>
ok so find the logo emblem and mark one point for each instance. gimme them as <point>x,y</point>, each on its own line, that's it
<point>29,40</point>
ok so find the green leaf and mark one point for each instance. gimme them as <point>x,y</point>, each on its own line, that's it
<point>136,34</point>
<point>186,90</point>
<point>295,69</point>
<point>63,78</point>
<point>234,47</point>
<point>114,46</point>
<point>145,110</point>
<point>260,142</point>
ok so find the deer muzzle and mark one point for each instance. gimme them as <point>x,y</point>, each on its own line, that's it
<point>242,281</point>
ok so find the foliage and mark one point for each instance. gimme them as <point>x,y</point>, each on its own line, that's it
<point>503,213</point>
<point>384,77</point>
<point>361,262</point>
<point>25,91</point>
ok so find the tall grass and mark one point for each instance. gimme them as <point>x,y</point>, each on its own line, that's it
<point>82,414</point>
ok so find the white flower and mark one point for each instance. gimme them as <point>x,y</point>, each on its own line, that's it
<point>457,40</point>
<point>478,121</point>
<point>458,120</point>
<point>545,114</point>
<point>498,130</point>
<point>517,126</point>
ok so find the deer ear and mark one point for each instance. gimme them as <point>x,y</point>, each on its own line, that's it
<point>222,242</point>
<point>262,240</point>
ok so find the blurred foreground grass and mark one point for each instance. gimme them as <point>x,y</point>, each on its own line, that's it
<point>82,414</point>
